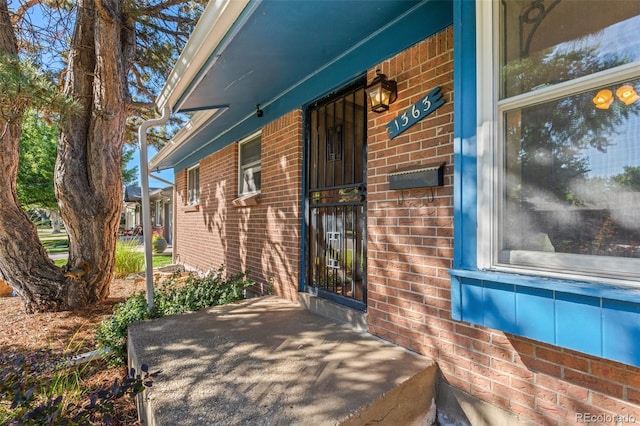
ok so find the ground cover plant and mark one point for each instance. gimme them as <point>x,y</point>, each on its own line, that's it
<point>179,293</point>
<point>47,392</point>
<point>38,388</point>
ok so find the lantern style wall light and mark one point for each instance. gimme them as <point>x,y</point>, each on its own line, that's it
<point>382,92</point>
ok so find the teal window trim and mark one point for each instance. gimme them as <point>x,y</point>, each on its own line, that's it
<point>590,317</point>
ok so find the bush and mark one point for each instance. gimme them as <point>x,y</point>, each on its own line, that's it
<point>113,331</point>
<point>175,295</point>
<point>128,258</point>
<point>158,243</point>
<point>197,293</point>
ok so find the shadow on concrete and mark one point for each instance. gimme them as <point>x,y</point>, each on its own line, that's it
<point>269,361</point>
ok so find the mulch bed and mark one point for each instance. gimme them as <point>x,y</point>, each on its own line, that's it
<point>35,336</point>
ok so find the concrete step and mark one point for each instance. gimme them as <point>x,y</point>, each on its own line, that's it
<point>267,361</point>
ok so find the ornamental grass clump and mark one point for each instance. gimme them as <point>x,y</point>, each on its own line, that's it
<point>129,259</point>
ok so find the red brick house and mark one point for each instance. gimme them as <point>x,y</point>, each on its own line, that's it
<point>463,227</point>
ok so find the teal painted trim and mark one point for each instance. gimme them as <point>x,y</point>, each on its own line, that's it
<point>237,25</point>
<point>620,330</point>
<point>456,298</point>
<point>593,318</point>
<point>464,134</point>
<point>424,21</point>
<point>304,207</point>
<point>591,289</point>
<point>230,135</point>
<point>589,317</point>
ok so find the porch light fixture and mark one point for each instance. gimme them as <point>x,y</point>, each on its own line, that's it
<point>382,92</point>
<point>627,94</point>
<point>603,99</point>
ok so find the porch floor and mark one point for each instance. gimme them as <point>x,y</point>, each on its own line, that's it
<point>267,361</point>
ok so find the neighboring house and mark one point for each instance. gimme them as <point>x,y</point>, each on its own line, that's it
<point>487,232</point>
<point>161,201</point>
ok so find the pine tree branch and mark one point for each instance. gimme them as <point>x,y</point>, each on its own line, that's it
<point>22,10</point>
<point>158,8</point>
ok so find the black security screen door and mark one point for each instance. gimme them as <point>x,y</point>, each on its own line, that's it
<point>336,196</point>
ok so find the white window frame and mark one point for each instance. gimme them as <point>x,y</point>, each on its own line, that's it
<point>491,110</point>
<point>193,199</point>
<point>254,166</point>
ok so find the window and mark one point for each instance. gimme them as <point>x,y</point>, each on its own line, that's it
<point>560,159</point>
<point>249,170</point>
<point>193,185</point>
<point>157,216</point>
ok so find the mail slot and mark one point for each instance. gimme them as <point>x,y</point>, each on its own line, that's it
<point>425,177</point>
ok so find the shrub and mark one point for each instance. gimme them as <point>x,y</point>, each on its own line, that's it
<point>175,295</point>
<point>158,243</point>
<point>113,331</point>
<point>128,258</point>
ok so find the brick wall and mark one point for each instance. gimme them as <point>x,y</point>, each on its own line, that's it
<point>263,238</point>
<point>410,248</point>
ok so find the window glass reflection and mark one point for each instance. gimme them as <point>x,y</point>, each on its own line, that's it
<point>572,177</point>
<point>546,42</point>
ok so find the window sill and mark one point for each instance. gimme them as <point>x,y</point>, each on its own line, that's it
<point>247,200</point>
<point>192,208</point>
<point>597,319</point>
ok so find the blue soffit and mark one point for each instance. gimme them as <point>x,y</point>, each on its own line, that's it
<point>282,54</point>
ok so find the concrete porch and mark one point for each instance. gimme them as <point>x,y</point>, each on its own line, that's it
<point>267,361</point>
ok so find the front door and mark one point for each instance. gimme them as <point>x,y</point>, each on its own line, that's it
<point>337,197</point>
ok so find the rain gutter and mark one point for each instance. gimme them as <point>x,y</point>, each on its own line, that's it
<point>216,23</point>
<point>218,18</point>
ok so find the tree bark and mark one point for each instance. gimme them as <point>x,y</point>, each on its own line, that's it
<point>88,168</point>
<point>24,264</point>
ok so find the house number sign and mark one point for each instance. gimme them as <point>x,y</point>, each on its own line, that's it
<point>416,112</point>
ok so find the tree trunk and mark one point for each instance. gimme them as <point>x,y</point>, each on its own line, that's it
<point>88,168</point>
<point>88,174</point>
<point>24,264</point>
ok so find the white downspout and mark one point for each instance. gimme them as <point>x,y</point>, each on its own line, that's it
<point>147,227</point>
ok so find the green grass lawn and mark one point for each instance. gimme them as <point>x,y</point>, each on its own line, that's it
<point>59,243</point>
<point>53,243</point>
<point>56,245</point>
<point>47,233</point>
<point>159,260</point>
